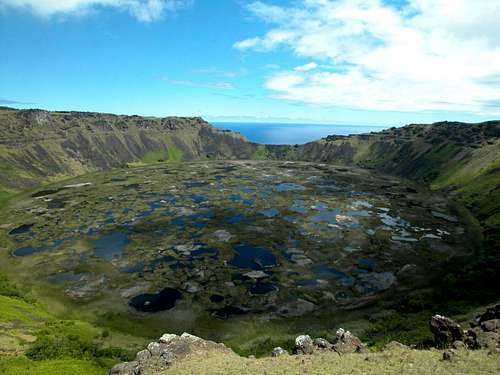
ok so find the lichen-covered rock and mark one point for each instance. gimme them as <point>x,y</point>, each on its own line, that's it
<point>445,331</point>
<point>304,345</point>
<point>346,342</point>
<point>159,355</point>
<point>127,368</point>
<point>322,344</point>
<point>278,352</point>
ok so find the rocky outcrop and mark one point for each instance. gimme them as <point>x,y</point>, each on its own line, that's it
<point>445,331</point>
<point>484,332</point>
<point>345,343</point>
<point>303,345</point>
<point>161,354</point>
<point>449,336</point>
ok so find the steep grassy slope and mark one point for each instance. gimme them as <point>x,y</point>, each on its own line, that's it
<point>39,146</point>
<point>34,341</point>
<point>461,159</point>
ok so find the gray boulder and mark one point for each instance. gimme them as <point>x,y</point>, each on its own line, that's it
<point>322,344</point>
<point>491,325</point>
<point>445,331</point>
<point>346,342</point>
<point>304,345</point>
<point>127,368</point>
<point>278,352</point>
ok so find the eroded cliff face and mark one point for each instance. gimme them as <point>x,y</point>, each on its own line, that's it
<point>39,146</point>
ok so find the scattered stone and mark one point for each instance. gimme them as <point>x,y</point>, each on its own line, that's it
<point>449,354</point>
<point>441,215</point>
<point>404,239</point>
<point>430,236</point>
<point>192,287</point>
<point>223,235</point>
<point>491,325</point>
<point>127,368</point>
<point>445,331</point>
<point>256,274</point>
<point>278,352</point>
<point>77,185</point>
<point>322,344</point>
<point>346,342</point>
<point>304,345</point>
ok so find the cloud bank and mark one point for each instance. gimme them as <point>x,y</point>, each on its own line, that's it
<point>143,10</point>
<point>412,55</point>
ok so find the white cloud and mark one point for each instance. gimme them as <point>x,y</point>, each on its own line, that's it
<point>425,55</point>
<point>247,43</point>
<point>207,85</point>
<point>143,10</point>
<point>306,67</point>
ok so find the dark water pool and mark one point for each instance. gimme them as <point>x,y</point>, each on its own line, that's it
<point>254,257</point>
<point>161,301</point>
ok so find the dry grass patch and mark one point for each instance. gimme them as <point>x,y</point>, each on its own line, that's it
<point>409,362</point>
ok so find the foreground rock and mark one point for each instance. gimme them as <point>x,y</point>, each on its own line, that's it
<point>445,331</point>
<point>483,334</point>
<point>304,345</point>
<point>161,354</point>
<point>345,342</point>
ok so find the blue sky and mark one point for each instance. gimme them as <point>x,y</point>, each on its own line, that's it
<point>338,61</point>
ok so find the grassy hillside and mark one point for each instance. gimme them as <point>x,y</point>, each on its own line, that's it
<point>34,341</point>
<point>39,147</point>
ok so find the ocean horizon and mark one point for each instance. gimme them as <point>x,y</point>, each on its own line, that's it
<point>293,133</point>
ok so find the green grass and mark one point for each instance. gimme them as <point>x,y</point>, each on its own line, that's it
<point>24,366</point>
<point>5,195</point>
<point>13,309</point>
<point>260,153</point>
<point>171,154</point>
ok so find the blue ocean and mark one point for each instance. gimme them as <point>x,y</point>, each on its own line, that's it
<point>288,133</point>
